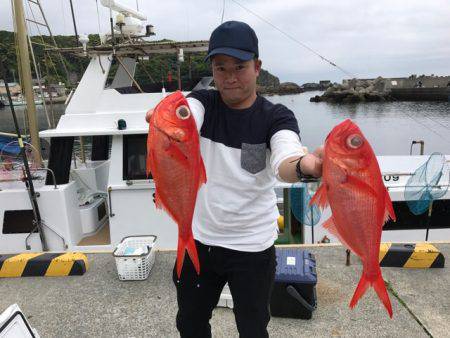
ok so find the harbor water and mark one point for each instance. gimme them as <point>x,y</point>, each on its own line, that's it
<point>389,126</point>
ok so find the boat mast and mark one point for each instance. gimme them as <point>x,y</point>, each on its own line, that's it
<point>26,84</point>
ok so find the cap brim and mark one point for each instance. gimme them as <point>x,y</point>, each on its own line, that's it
<point>236,53</point>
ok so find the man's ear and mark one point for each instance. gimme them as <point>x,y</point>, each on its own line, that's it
<point>258,64</point>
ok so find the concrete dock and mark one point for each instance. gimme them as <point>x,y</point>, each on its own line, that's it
<point>99,305</point>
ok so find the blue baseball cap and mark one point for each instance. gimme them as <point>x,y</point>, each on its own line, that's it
<point>233,38</point>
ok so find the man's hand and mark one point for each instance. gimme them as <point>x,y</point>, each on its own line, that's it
<point>311,164</point>
<point>148,115</point>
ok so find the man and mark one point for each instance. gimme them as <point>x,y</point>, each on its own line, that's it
<point>246,142</point>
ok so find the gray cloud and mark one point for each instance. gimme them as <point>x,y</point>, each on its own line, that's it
<point>367,38</point>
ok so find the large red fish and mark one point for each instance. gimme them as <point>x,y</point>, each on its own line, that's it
<point>359,201</point>
<point>173,158</point>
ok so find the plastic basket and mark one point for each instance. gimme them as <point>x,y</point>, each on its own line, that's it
<point>135,267</point>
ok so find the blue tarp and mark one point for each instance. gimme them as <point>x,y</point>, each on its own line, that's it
<point>8,146</point>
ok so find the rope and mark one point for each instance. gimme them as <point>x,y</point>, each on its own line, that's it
<point>223,11</point>
<point>98,19</point>
<point>295,40</point>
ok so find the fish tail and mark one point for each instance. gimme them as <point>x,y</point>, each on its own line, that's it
<point>188,245</point>
<point>360,290</point>
<point>180,256</point>
<point>380,289</point>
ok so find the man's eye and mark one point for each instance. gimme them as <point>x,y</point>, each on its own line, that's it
<point>220,69</point>
<point>240,67</point>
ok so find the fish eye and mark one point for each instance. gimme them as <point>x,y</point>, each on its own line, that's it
<point>183,112</point>
<point>354,141</point>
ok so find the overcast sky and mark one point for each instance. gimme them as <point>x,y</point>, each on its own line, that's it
<point>367,38</point>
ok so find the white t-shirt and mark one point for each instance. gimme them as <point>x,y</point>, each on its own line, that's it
<point>241,150</point>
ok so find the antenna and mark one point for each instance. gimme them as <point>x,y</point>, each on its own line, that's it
<point>125,10</point>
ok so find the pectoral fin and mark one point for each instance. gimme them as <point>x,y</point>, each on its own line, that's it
<point>360,185</point>
<point>389,211</point>
<point>175,152</point>
<point>202,173</point>
<point>320,198</point>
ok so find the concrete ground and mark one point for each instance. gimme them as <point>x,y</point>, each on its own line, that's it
<point>99,305</point>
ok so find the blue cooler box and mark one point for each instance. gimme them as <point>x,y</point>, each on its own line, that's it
<point>294,292</point>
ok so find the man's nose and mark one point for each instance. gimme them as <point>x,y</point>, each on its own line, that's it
<point>230,77</point>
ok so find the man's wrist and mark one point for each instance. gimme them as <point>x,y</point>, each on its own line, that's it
<point>300,174</point>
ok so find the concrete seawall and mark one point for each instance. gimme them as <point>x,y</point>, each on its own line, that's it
<point>421,94</point>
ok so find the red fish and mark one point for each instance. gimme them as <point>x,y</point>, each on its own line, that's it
<point>174,160</point>
<point>359,201</point>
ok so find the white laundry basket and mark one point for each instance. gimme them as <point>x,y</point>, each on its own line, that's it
<point>135,267</point>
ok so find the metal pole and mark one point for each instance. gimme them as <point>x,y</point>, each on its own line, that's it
<point>38,77</point>
<point>83,154</point>
<point>179,75</point>
<point>26,78</point>
<point>74,24</point>
<point>430,211</point>
<point>28,181</point>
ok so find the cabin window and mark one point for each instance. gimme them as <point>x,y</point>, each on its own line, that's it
<point>101,148</point>
<point>134,157</point>
<point>59,159</point>
<point>18,222</point>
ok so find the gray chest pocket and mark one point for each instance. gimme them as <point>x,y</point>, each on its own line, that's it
<point>253,157</point>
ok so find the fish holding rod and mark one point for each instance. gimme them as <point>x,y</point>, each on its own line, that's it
<point>175,162</point>
<point>360,204</point>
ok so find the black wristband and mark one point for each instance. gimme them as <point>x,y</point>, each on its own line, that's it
<point>300,175</point>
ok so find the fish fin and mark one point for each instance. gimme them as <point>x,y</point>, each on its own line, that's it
<point>189,246</point>
<point>320,197</point>
<point>158,203</point>
<point>380,289</point>
<point>180,256</point>
<point>202,173</point>
<point>148,163</point>
<point>331,227</point>
<point>192,251</point>
<point>389,212</point>
<point>177,154</point>
<point>360,184</point>
<point>360,290</point>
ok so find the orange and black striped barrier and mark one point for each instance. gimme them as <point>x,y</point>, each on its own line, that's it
<point>43,264</point>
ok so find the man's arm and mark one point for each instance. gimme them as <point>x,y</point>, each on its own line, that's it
<point>286,151</point>
<point>310,164</point>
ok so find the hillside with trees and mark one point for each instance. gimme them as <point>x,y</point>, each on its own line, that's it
<point>158,68</point>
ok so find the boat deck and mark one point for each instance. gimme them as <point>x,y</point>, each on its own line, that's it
<point>99,305</point>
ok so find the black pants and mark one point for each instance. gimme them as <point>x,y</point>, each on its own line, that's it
<point>250,276</point>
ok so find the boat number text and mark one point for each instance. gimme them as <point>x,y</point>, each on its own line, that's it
<point>388,178</point>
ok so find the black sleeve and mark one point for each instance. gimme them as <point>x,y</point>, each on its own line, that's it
<point>282,119</point>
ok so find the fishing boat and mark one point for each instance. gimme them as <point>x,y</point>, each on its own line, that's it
<point>91,204</point>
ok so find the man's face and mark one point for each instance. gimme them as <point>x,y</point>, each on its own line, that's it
<point>235,79</point>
